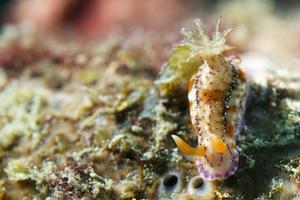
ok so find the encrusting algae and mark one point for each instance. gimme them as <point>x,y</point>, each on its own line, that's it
<point>92,122</point>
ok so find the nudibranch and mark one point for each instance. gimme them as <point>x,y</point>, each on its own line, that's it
<point>217,95</point>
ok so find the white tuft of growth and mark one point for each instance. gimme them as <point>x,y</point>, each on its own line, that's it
<point>199,42</point>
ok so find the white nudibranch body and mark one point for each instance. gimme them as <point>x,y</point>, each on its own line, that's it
<point>217,94</point>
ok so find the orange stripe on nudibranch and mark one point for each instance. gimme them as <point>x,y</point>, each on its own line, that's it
<point>190,104</point>
<point>242,76</point>
<point>191,83</point>
<point>207,95</point>
<point>196,129</point>
<point>218,144</point>
<point>233,108</point>
<point>230,130</point>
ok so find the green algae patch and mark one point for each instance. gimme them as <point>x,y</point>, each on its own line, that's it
<point>177,72</point>
<point>20,107</point>
<point>87,123</point>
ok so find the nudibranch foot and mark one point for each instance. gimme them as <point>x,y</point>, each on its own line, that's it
<point>225,169</point>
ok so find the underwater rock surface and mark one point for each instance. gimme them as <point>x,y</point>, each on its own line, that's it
<point>95,121</point>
